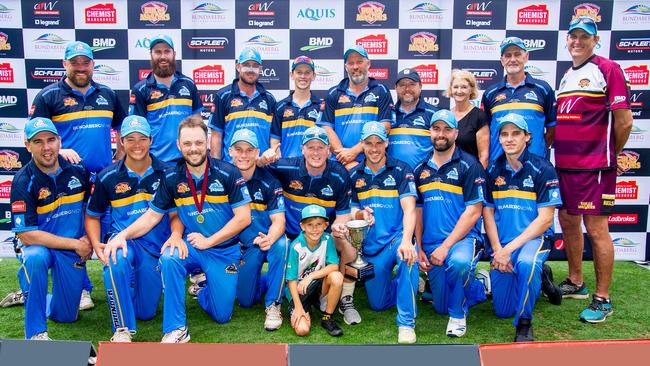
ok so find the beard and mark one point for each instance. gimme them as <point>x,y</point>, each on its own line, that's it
<point>163,72</point>
<point>80,80</point>
<point>446,146</point>
<point>359,79</point>
<point>204,156</point>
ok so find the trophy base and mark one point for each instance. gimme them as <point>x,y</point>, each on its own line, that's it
<point>361,274</point>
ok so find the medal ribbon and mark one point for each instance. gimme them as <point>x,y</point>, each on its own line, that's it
<point>204,186</point>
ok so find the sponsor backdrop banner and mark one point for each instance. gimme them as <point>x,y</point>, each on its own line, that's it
<point>431,36</point>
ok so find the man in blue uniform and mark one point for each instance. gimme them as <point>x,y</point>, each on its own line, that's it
<point>450,184</point>
<point>410,140</point>
<point>264,239</point>
<point>47,200</point>
<point>315,179</point>
<point>212,202</point>
<point>165,97</point>
<point>356,100</point>
<point>385,187</point>
<point>520,93</point>
<point>522,193</point>
<point>133,284</point>
<point>297,112</point>
<point>243,104</point>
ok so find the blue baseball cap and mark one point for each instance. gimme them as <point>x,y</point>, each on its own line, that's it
<point>315,133</point>
<point>245,135</point>
<point>585,23</point>
<point>445,116</point>
<point>374,128</point>
<point>39,124</point>
<point>512,41</point>
<point>249,54</point>
<point>77,48</point>
<point>515,119</point>
<point>313,211</point>
<point>161,38</point>
<point>356,48</point>
<point>132,124</point>
<point>303,60</point>
<point>408,74</point>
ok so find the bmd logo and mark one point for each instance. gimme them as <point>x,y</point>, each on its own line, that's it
<point>318,43</point>
<point>102,44</point>
<point>534,44</point>
<point>8,101</point>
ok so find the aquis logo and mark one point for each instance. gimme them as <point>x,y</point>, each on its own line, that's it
<point>371,12</point>
<point>587,10</point>
<point>154,12</point>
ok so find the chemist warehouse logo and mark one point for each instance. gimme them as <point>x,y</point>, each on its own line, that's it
<point>536,14</point>
<point>375,44</point>
<point>101,14</point>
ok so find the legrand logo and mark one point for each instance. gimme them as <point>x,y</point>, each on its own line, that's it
<point>318,43</point>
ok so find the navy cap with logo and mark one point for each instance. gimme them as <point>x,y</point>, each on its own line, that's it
<point>408,74</point>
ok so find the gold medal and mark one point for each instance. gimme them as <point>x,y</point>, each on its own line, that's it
<point>200,219</point>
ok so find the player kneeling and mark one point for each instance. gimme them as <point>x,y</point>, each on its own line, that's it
<point>312,273</point>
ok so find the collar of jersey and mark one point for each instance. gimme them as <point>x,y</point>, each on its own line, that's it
<point>151,80</point>
<point>528,80</point>
<point>69,90</point>
<point>455,156</point>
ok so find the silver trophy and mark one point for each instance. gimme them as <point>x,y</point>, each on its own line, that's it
<point>359,269</point>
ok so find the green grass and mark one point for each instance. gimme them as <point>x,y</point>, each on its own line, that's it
<point>551,323</point>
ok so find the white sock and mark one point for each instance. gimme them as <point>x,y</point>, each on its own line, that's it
<point>348,289</point>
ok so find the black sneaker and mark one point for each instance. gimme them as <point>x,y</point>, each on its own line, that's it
<point>550,289</point>
<point>573,291</point>
<point>331,326</point>
<point>524,331</point>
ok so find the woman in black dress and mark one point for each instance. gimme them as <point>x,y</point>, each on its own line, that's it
<point>473,125</point>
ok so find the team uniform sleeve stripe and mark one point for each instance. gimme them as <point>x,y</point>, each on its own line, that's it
<point>82,114</point>
<point>355,110</point>
<point>512,193</point>
<point>131,200</point>
<point>60,201</point>
<point>298,122</point>
<point>409,131</point>
<point>247,113</point>
<point>310,200</point>
<point>208,198</point>
<point>510,106</point>
<point>168,102</point>
<point>375,192</point>
<point>440,186</point>
<point>258,206</point>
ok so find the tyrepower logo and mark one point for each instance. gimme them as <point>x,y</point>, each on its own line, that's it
<point>379,74</point>
<point>101,14</point>
<point>587,10</point>
<point>536,14</point>
<point>428,73</point>
<point>423,43</point>
<point>209,75</point>
<point>623,219</point>
<point>6,73</point>
<point>154,12</point>
<point>371,12</point>
<point>627,190</point>
<point>637,74</point>
<point>375,44</point>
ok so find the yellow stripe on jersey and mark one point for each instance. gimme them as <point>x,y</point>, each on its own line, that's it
<point>580,93</point>
<point>143,196</point>
<point>409,131</point>
<point>517,105</point>
<point>376,192</point>
<point>168,102</point>
<point>513,193</point>
<point>440,186</point>
<point>208,198</point>
<point>258,206</point>
<point>60,201</point>
<point>298,122</point>
<point>354,110</point>
<point>310,200</point>
<point>248,113</point>
<point>82,114</point>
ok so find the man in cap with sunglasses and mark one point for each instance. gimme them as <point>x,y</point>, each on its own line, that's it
<point>243,104</point>
<point>297,112</point>
<point>519,92</point>
<point>594,123</point>
<point>165,97</point>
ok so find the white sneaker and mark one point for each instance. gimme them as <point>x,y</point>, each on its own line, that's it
<point>197,278</point>
<point>456,327</point>
<point>41,337</point>
<point>13,299</point>
<point>180,335</point>
<point>86,301</point>
<point>421,285</point>
<point>273,319</point>
<point>483,276</point>
<point>350,314</point>
<point>197,283</point>
<point>406,335</point>
<point>121,335</point>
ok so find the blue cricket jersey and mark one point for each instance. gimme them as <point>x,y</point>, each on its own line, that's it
<point>266,200</point>
<point>290,122</point>
<point>410,139</point>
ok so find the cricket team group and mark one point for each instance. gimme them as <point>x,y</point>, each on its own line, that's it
<point>280,182</point>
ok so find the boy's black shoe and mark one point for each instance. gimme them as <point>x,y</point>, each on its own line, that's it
<point>524,331</point>
<point>331,326</point>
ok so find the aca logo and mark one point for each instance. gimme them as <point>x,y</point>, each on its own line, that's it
<point>209,75</point>
<point>428,73</point>
<point>101,14</point>
<point>316,14</point>
<point>4,42</point>
<point>587,9</point>
<point>536,14</point>
<point>6,73</point>
<point>375,44</point>
<point>371,12</point>
<point>423,42</point>
<point>154,12</point>
<point>637,74</point>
